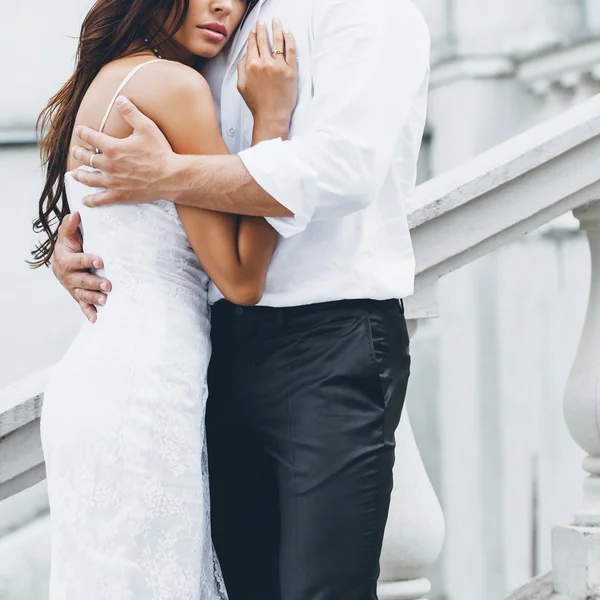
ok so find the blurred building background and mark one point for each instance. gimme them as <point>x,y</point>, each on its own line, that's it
<point>489,374</point>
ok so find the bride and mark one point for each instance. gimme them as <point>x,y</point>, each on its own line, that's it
<point>125,450</point>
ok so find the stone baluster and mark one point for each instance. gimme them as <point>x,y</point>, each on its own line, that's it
<point>415,530</point>
<point>559,99</point>
<point>587,87</point>
<point>576,548</point>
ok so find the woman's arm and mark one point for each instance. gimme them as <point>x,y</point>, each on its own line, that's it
<point>235,251</point>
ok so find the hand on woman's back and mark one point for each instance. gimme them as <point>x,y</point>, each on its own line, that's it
<point>268,78</point>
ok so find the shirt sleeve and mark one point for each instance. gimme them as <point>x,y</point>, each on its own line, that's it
<point>367,66</point>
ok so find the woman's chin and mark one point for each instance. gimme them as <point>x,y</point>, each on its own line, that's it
<point>206,50</point>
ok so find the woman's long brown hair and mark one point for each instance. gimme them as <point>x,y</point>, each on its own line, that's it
<point>112,29</point>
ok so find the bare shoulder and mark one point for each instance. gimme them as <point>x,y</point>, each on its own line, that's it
<point>178,99</point>
<point>166,87</point>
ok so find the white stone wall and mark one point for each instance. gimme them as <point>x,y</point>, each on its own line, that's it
<point>468,27</point>
<point>37,43</point>
<point>592,8</point>
<point>513,25</point>
<point>485,398</point>
<point>38,318</point>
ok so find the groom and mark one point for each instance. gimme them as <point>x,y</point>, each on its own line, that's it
<point>306,390</point>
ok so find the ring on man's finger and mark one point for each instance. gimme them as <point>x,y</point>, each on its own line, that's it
<point>92,158</point>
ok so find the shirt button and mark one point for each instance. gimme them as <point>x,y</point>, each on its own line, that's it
<point>231,131</point>
<point>239,310</point>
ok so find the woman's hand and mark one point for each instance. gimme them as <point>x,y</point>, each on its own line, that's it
<point>268,79</point>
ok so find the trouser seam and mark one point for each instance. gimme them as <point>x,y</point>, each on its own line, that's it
<point>293,478</point>
<point>375,364</point>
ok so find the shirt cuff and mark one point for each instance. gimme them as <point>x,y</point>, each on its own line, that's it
<point>273,166</point>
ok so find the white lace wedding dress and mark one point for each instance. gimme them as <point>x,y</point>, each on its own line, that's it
<point>123,420</point>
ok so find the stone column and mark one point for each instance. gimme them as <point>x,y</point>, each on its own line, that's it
<point>576,548</point>
<point>592,15</point>
<point>415,530</point>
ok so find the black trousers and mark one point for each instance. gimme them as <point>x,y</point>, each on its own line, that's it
<point>303,405</point>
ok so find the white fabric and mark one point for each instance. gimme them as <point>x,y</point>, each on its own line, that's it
<point>123,420</point>
<point>349,169</point>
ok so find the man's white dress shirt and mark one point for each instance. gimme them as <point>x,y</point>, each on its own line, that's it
<point>349,167</point>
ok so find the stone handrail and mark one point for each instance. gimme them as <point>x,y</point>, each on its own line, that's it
<point>455,218</point>
<point>501,195</point>
<point>21,459</point>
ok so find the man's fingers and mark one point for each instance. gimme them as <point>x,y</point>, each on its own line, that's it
<point>69,227</point>
<point>262,38</point>
<point>89,311</point>
<point>88,282</point>
<point>89,297</point>
<point>82,155</point>
<point>90,178</point>
<point>290,50</point>
<point>94,138</point>
<point>252,48</point>
<point>102,199</point>
<point>83,262</point>
<point>132,114</point>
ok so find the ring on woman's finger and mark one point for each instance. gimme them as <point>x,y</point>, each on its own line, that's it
<point>276,52</point>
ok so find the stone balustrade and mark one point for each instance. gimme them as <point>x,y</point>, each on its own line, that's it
<point>565,75</point>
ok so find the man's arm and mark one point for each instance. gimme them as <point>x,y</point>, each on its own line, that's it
<point>226,183</point>
<point>143,168</point>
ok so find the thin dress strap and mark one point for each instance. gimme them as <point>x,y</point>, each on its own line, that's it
<point>120,89</point>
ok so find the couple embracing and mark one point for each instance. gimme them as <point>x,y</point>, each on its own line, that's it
<point>230,181</point>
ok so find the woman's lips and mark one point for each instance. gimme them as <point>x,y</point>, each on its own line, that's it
<point>213,33</point>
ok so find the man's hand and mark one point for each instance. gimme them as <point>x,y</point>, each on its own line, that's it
<point>71,267</point>
<point>133,169</point>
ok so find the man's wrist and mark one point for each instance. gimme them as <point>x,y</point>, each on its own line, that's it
<point>176,177</point>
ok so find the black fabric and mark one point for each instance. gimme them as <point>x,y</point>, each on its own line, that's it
<point>303,406</point>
